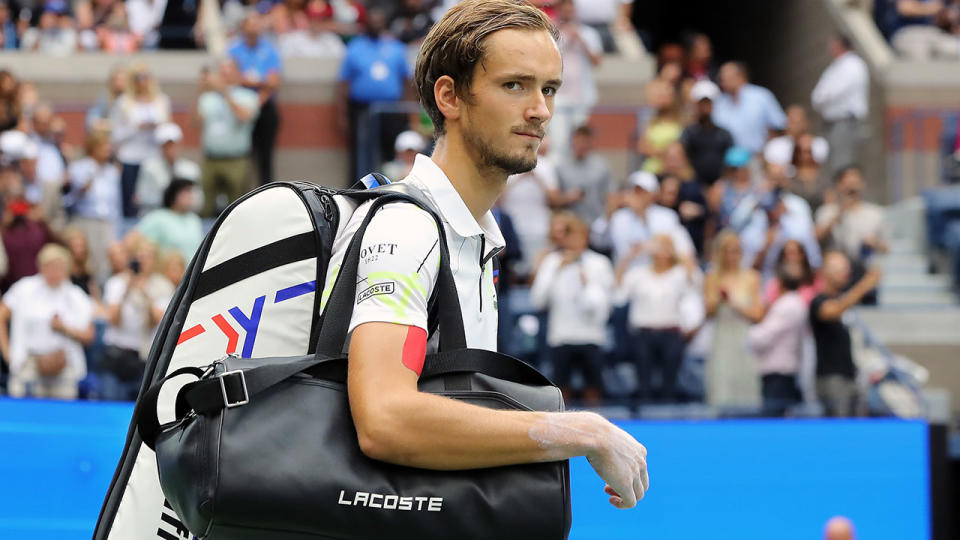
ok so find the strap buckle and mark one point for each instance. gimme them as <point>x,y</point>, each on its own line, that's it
<point>223,389</point>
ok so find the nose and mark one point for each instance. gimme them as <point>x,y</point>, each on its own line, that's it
<point>539,110</point>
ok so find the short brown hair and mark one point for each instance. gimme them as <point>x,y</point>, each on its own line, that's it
<point>455,45</point>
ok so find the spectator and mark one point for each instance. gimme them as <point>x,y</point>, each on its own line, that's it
<point>55,34</point>
<point>629,230</point>
<point>836,387</point>
<point>50,321</point>
<point>663,129</point>
<point>116,88</point>
<point>706,143</point>
<point>413,22</point>
<point>606,17</point>
<point>527,199</point>
<point>116,37</point>
<point>852,225</point>
<point>351,17</point>
<point>260,66</point>
<point>135,300</point>
<point>24,233</point>
<point>777,342</point>
<point>226,112</point>
<point>407,146</point>
<point>81,273</point>
<point>9,111</point>
<point>807,176</point>
<point>842,98</point>
<point>780,150</point>
<point>374,70</point>
<point>732,298</point>
<point>917,36</point>
<point>656,293</point>
<point>769,226</point>
<point>686,199</point>
<point>134,120</point>
<point>734,187</point>
<point>582,49</point>
<point>583,178</point>
<point>145,17</point>
<point>700,65</point>
<point>94,199</point>
<point>172,267</point>
<point>157,171</point>
<point>8,29</point>
<point>49,168</point>
<point>176,225</point>
<point>314,41</point>
<point>746,110</point>
<point>574,285</point>
<point>793,255</point>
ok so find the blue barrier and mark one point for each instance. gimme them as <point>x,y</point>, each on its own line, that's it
<point>721,479</point>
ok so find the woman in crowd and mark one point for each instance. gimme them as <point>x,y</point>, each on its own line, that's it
<point>808,181</point>
<point>794,255</point>
<point>656,294</point>
<point>9,113</point>
<point>664,128</point>
<point>81,273</point>
<point>733,300</point>
<point>94,199</point>
<point>135,301</point>
<point>134,120</point>
<point>50,320</point>
<point>100,112</point>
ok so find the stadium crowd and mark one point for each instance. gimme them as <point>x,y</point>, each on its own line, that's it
<point>718,271</point>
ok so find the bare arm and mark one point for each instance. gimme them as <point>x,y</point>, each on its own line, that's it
<point>4,332</point>
<point>398,424</point>
<point>832,310</point>
<point>914,8</point>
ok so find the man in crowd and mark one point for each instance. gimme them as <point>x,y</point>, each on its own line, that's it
<point>375,69</point>
<point>771,224</point>
<point>606,17</point>
<point>157,171</point>
<point>705,142</point>
<point>746,110</point>
<point>583,178</point>
<point>582,49</point>
<point>836,387</point>
<point>852,225</point>
<point>226,112</point>
<point>260,67</point>
<point>842,98</point>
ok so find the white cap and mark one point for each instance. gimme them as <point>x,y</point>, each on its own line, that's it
<point>645,180</point>
<point>12,143</point>
<point>168,132</point>
<point>704,89</point>
<point>779,151</point>
<point>409,140</point>
<point>186,170</point>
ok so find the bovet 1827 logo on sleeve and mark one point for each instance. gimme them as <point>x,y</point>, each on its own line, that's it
<point>387,287</point>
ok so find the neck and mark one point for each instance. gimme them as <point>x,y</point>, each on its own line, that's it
<point>252,41</point>
<point>479,187</point>
<point>661,266</point>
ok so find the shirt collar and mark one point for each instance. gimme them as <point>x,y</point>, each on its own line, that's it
<point>451,206</point>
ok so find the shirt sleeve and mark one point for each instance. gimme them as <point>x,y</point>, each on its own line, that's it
<point>113,290</point>
<point>776,118</point>
<point>14,296</point>
<point>399,263</point>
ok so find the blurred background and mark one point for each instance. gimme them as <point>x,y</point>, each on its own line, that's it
<point>741,241</point>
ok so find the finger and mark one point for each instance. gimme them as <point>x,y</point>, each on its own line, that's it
<point>628,499</point>
<point>616,501</point>
<point>645,478</point>
<point>638,488</point>
<point>610,491</point>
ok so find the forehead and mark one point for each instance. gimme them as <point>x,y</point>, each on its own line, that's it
<point>531,52</point>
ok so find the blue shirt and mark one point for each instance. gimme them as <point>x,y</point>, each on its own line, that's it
<point>256,62</point>
<point>750,116</point>
<point>375,69</point>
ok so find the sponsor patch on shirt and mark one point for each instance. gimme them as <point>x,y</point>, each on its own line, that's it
<point>387,287</point>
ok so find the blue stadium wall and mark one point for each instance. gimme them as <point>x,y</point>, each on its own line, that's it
<point>709,480</point>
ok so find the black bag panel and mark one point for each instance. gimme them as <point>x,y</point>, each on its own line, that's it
<point>257,443</point>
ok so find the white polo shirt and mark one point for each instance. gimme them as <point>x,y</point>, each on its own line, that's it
<point>400,260</point>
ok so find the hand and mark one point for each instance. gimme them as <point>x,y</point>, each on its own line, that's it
<point>690,210</point>
<point>621,462</point>
<point>873,277</point>
<point>56,324</point>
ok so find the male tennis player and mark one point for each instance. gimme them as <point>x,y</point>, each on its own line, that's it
<point>487,75</point>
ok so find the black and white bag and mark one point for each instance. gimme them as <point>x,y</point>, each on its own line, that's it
<point>251,292</point>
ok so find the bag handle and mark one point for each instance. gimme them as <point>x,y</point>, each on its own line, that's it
<point>145,412</point>
<point>339,309</point>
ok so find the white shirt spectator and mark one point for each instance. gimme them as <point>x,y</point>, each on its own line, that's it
<point>843,91</point>
<point>525,201</point>
<point>777,340</point>
<point>863,222</point>
<point>50,164</point>
<point>155,175</point>
<point>33,304</point>
<point>578,297</point>
<point>134,331</point>
<point>102,199</point>
<point>144,17</point>
<point>626,229</point>
<point>579,88</point>
<point>54,41</point>
<point>657,301</point>
<point>401,260</point>
<point>132,127</point>
<point>599,11</point>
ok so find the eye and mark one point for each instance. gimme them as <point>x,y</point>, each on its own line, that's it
<point>550,91</point>
<point>512,85</point>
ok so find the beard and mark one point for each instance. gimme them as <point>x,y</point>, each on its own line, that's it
<point>490,157</point>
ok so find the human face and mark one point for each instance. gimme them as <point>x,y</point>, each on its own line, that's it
<point>796,120</point>
<point>793,253</point>
<point>581,145</point>
<point>511,100</point>
<point>55,272</point>
<point>669,191</point>
<point>184,201</point>
<point>836,271</point>
<point>851,186</point>
<point>663,252</point>
<point>730,78</point>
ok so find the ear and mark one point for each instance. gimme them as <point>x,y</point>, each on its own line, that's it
<point>445,94</point>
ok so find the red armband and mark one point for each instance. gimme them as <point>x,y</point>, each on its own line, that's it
<point>415,349</point>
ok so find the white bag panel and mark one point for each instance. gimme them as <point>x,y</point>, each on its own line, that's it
<point>243,229</point>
